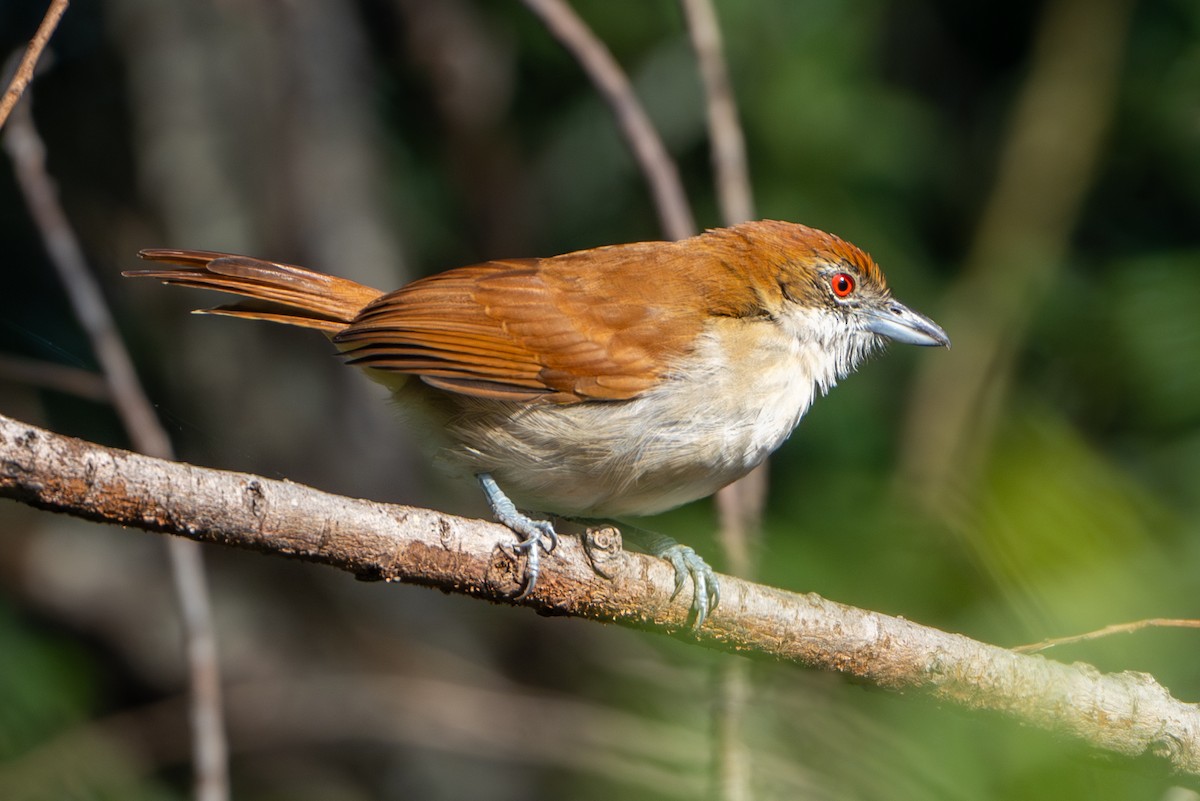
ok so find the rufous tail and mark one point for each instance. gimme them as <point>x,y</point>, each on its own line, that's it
<point>281,293</point>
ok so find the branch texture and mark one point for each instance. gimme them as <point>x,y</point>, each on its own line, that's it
<point>24,72</point>
<point>1125,713</point>
<point>124,390</point>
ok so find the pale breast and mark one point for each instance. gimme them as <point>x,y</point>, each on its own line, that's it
<point>721,412</point>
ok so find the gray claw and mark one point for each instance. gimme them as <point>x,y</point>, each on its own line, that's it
<point>536,533</point>
<point>533,531</point>
<point>687,563</point>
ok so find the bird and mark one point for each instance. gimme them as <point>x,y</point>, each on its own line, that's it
<point>614,382</point>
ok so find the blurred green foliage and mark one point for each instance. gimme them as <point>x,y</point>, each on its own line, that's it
<point>881,121</point>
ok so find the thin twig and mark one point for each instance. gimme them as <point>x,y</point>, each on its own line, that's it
<point>670,200</point>
<point>732,766</point>
<point>739,505</point>
<point>1125,713</point>
<point>1108,631</point>
<point>28,154</point>
<point>734,193</point>
<point>59,377</point>
<point>24,72</point>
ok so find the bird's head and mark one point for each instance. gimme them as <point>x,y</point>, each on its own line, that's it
<point>831,294</point>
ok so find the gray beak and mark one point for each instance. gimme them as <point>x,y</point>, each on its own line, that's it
<point>896,321</point>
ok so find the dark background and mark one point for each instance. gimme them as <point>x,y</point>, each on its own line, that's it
<point>386,139</point>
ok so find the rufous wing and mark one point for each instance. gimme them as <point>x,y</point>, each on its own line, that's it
<point>605,324</point>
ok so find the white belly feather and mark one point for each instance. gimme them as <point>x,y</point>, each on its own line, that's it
<point>720,414</point>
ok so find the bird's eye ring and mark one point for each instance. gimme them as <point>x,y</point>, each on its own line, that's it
<point>842,284</point>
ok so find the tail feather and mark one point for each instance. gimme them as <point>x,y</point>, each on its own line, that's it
<point>281,293</point>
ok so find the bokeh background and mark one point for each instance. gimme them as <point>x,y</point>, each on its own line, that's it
<point>1027,173</point>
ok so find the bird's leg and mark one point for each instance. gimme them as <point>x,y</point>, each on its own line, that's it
<point>707,589</point>
<point>533,531</point>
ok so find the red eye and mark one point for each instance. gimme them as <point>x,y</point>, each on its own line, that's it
<point>842,284</point>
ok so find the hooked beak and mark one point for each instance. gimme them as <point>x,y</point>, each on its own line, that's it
<point>896,321</point>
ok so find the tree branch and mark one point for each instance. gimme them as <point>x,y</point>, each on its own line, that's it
<point>727,143</point>
<point>58,377</point>
<point>28,153</point>
<point>739,505</point>
<point>24,72</point>
<point>1125,713</point>
<point>674,211</point>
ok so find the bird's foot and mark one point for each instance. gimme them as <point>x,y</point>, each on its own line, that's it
<point>539,535</point>
<point>687,563</point>
<point>707,593</point>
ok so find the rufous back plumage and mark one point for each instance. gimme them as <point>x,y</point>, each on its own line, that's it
<point>601,324</point>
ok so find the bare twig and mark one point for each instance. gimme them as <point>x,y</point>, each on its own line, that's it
<point>739,505</point>
<point>71,380</point>
<point>1126,713</point>
<point>670,200</point>
<point>1108,631</point>
<point>732,769</point>
<point>24,72</point>
<point>28,155</point>
<point>725,132</point>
